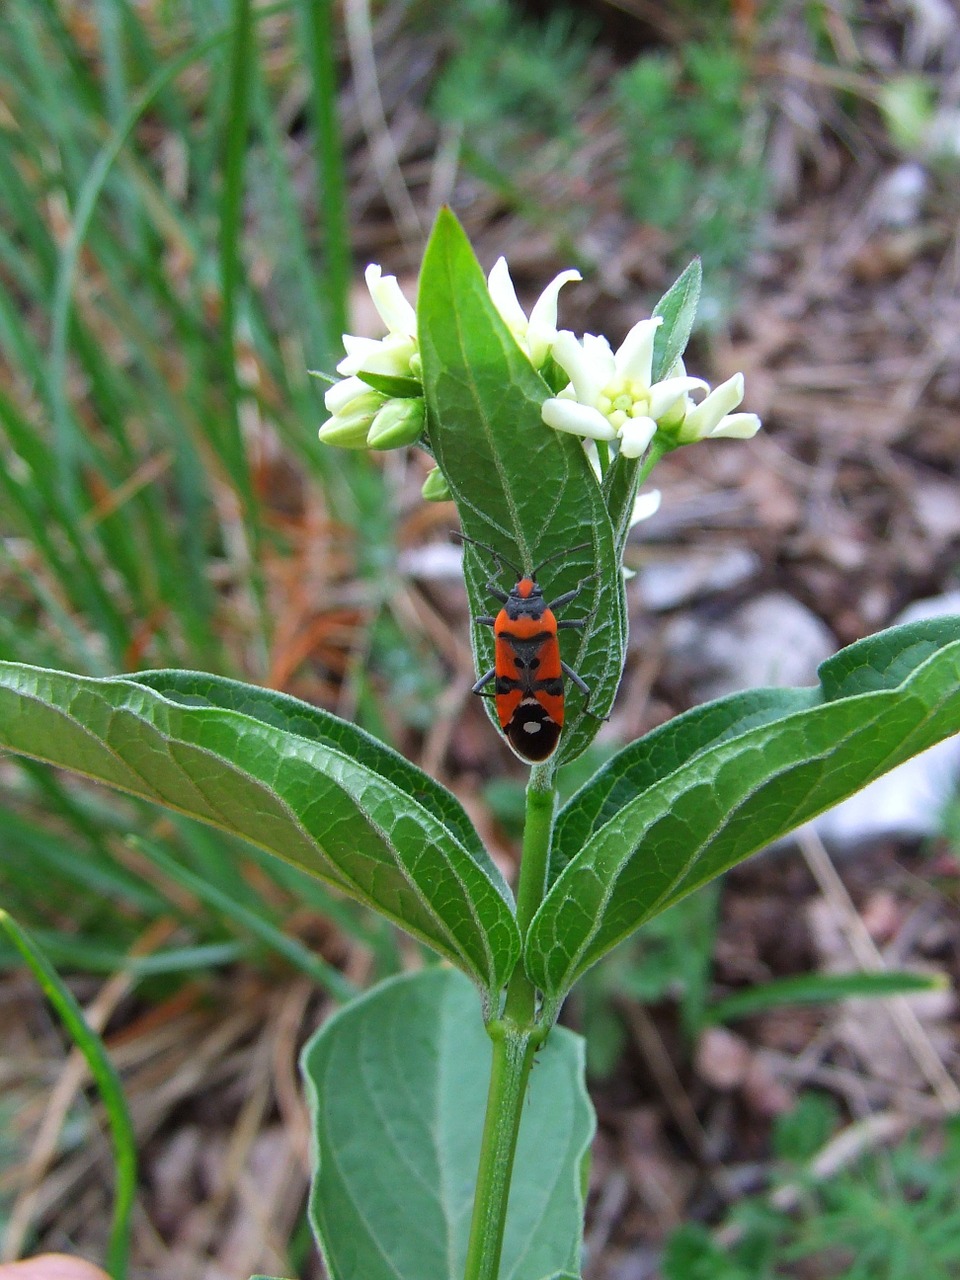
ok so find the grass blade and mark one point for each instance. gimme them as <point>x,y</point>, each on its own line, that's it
<point>819,988</point>
<point>317,37</point>
<point>107,1080</point>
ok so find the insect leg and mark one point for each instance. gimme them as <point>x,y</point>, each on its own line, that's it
<point>571,595</point>
<point>569,671</point>
<point>484,680</point>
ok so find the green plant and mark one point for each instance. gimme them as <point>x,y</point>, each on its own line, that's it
<point>162,277</point>
<point>514,88</point>
<point>692,142</point>
<point>880,1219</point>
<point>107,1081</point>
<point>396,1079</point>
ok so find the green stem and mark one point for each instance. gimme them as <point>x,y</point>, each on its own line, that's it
<point>658,447</point>
<point>513,1050</point>
<point>537,834</point>
<point>520,1005</point>
<point>515,1040</point>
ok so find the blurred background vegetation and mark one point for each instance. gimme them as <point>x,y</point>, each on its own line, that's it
<point>187,194</point>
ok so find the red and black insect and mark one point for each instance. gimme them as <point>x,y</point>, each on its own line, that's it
<point>528,669</point>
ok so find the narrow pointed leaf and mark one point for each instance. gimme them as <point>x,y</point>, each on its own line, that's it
<point>820,988</point>
<point>287,777</point>
<point>526,490</point>
<point>107,1080</point>
<point>678,306</point>
<point>391,384</point>
<point>703,792</point>
<point>397,1086</point>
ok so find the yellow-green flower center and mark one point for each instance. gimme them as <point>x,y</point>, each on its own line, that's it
<point>622,399</point>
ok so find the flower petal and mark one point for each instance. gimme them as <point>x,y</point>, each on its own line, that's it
<point>504,297</point>
<point>738,426</point>
<point>542,328</point>
<point>391,356</point>
<point>395,311</point>
<point>634,358</point>
<point>644,506</point>
<point>704,417</point>
<point>664,395</point>
<point>635,435</point>
<point>337,397</point>
<point>579,419</point>
<point>357,350</point>
<point>589,367</point>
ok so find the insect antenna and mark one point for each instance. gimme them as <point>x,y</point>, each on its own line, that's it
<point>463,537</point>
<point>564,551</point>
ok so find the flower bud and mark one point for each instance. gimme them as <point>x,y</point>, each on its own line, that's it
<point>435,488</point>
<point>398,423</point>
<point>348,429</point>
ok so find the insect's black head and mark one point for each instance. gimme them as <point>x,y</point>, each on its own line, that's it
<point>525,600</point>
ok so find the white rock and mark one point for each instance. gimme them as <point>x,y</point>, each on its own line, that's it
<point>907,802</point>
<point>772,640</point>
<point>667,581</point>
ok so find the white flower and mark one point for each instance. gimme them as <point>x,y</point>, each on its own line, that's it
<point>645,505</point>
<point>711,417</point>
<point>536,335</point>
<point>611,396</point>
<point>352,404</point>
<point>392,354</point>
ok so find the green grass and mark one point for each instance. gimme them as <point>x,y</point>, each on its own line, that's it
<point>880,1219</point>
<point>107,1081</point>
<point>165,284</point>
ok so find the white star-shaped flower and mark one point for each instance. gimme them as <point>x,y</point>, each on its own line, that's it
<point>392,354</point>
<point>535,335</point>
<point>612,395</point>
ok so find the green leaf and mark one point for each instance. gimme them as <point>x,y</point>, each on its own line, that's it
<point>819,988</point>
<point>397,1085</point>
<point>678,306</point>
<point>526,490</point>
<point>392,384</point>
<point>703,792</point>
<point>287,777</point>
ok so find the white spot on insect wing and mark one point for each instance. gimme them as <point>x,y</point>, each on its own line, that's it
<point>531,726</point>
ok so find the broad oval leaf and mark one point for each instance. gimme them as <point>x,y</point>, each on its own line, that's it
<point>397,1085</point>
<point>524,489</point>
<point>294,780</point>
<point>703,792</point>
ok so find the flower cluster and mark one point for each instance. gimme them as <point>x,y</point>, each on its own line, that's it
<point>378,402</point>
<point>362,416</point>
<point>611,396</point>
